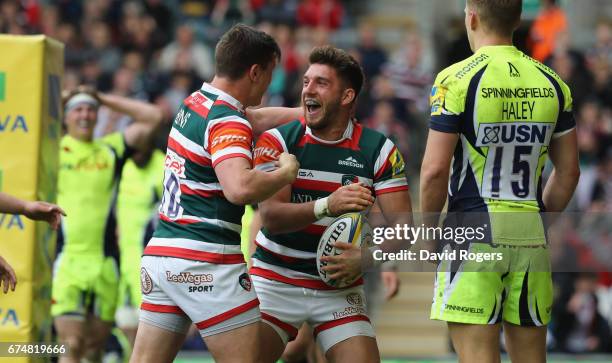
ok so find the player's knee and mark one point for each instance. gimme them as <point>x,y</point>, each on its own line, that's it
<point>75,345</point>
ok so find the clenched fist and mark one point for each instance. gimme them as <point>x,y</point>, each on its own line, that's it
<point>289,165</point>
<point>349,198</point>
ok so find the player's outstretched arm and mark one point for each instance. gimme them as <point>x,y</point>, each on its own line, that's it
<point>7,276</point>
<point>560,186</point>
<point>263,119</point>
<point>147,118</point>
<point>243,185</point>
<point>279,215</point>
<point>39,211</point>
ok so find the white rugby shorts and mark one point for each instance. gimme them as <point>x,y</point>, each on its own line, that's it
<point>215,297</point>
<point>335,315</point>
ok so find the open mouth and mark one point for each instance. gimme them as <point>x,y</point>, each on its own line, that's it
<point>312,106</point>
<point>84,124</point>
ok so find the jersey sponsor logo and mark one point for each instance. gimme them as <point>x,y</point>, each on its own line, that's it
<point>11,222</point>
<point>305,174</point>
<point>349,179</point>
<point>301,198</point>
<point>514,73</point>
<point>146,284</point>
<point>201,288</point>
<point>520,92</point>
<point>350,161</point>
<point>181,118</point>
<point>515,133</point>
<point>436,99</point>
<point>471,65</point>
<point>228,139</point>
<point>13,123</point>
<point>265,151</point>
<point>245,281</point>
<point>348,311</point>
<point>189,278</point>
<point>464,309</point>
<point>354,299</point>
<point>175,163</point>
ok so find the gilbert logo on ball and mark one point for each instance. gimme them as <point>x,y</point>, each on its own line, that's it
<point>350,228</point>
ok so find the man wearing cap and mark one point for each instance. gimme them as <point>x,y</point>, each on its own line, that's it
<point>85,275</point>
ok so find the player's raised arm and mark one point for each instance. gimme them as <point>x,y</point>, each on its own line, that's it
<point>147,118</point>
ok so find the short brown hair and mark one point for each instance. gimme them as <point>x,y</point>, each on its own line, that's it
<point>242,47</point>
<point>346,66</point>
<point>499,16</point>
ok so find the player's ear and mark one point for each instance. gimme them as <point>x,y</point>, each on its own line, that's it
<point>255,72</point>
<point>348,96</point>
<point>473,19</point>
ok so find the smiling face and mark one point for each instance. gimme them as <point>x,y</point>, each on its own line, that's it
<point>322,92</point>
<point>81,120</point>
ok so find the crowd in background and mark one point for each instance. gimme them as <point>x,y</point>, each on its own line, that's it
<point>161,51</point>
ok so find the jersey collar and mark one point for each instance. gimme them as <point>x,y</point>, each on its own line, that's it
<point>223,96</point>
<point>347,135</point>
<point>497,48</point>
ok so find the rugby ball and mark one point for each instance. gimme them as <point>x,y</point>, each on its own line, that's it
<point>351,228</point>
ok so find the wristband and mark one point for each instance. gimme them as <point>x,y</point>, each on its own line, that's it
<point>320,208</point>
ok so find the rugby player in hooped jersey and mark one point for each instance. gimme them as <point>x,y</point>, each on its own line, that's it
<point>341,164</point>
<point>192,268</point>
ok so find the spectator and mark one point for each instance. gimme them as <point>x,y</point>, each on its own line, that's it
<point>371,55</point>
<point>325,13</point>
<point>278,12</point>
<point>186,54</point>
<point>384,121</point>
<point>579,328</point>
<point>106,54</point>
<point>543,34</point>
<point>603,45</point>
<point>410,77</point>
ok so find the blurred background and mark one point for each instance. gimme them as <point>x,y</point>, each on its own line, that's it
<point>162,50</point>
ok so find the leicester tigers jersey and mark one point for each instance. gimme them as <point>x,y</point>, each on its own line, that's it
<point>506,108</point>
<point>361,155</point>
<point>196,221</point>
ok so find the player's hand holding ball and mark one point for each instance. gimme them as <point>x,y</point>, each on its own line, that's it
<point>340,263</point>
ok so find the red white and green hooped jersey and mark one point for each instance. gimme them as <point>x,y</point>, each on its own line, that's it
<point>196,221</point>
<point>361,155</point>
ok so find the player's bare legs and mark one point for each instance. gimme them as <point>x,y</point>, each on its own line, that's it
<point>298,349</point>
<point>525,343</point>
<point>358,349</point>
<point>70,331</point>
<point>97,334</point>
<point>155,345</point>
<point>475,343</point>
<point>241,345</point>
<point>272,347</point>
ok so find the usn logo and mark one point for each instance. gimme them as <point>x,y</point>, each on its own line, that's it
<point>516,133</point>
